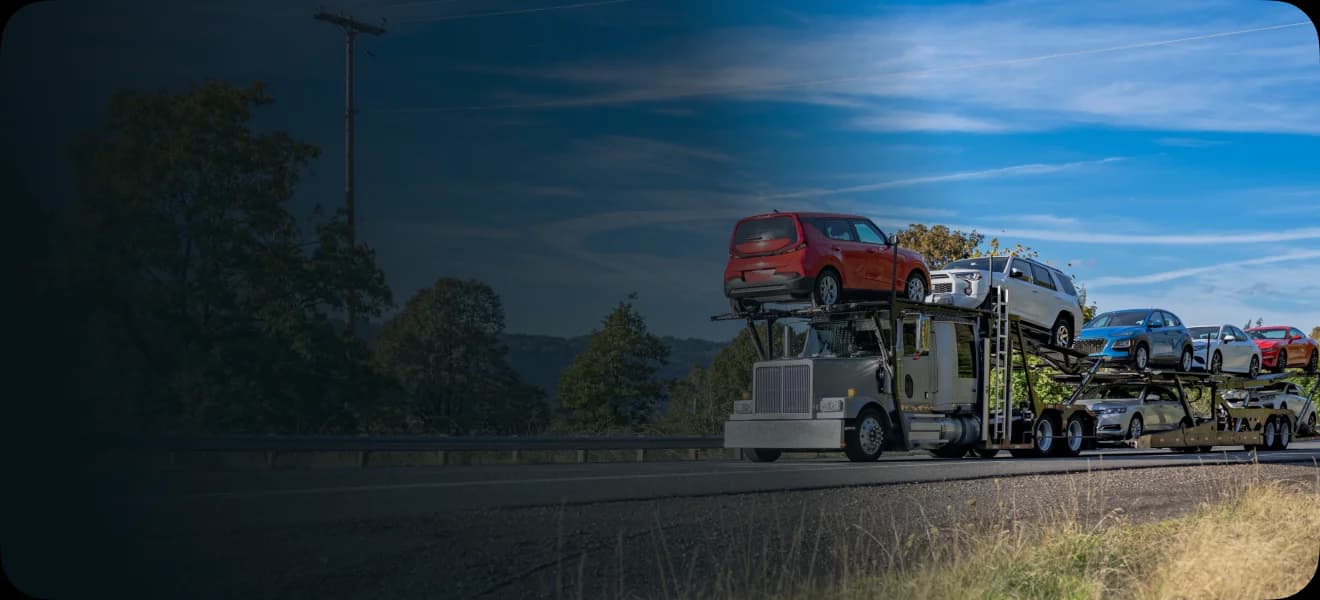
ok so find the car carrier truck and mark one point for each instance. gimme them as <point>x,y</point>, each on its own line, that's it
<point>899,375</point>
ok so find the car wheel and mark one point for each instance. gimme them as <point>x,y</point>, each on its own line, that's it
<point>1253,371</point>
<point>828,290</point>
<point>916,288</point>
<point>1074,437</point>
<point>866,441</point>
<point>1313,364</point>
<point>1281,361</point>
<point>1141,357</point>
<point>1062,333</point>
<point>1043,440</point>
<point>1185,361</point>
<point>761,454</point>
<point>1216,363</point>
<point>1136,427</point>
<point>985,452</point>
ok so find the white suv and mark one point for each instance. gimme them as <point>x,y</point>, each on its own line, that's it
<point>1041,295</point>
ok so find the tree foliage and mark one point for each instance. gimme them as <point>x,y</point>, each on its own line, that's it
<point>1315,332</point>
<point>444,350</point>
<point>189,256</point>
<point>939,245</point>
<point>611,384</point>
<point>700,403</point>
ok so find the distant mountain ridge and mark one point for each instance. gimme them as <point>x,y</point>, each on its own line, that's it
<point>539,359</point>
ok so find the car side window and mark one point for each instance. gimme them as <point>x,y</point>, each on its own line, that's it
<point>1171,321</point>
<point>1020,265</point>
<point>867,233</point>
<point>1042,276</point>
<point>1296,332</point>
<point>1156,318</point>
<point>1065,284</point>
<point>1240,335</point>
<point>838,229</point>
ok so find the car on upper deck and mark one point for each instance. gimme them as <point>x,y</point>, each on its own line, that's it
<point>1139,336</point>
<point>1038,294</point>
<point>1282,346</point>
<point>1219,348</point>
<point>823,258</point>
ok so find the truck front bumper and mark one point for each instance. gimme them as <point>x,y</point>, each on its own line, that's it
<point>784,434</point>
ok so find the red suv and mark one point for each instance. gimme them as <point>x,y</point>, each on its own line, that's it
<point>1282,347</point>
<point>786,257</point>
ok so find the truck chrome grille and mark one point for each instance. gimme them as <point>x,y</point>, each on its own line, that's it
<point>1089,346</point>
<point>784,389</point>
<point>942,288</point>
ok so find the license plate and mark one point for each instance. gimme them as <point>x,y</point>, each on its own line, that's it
<point>758,275</point>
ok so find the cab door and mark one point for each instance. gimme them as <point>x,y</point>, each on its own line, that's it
<point>918,383</point>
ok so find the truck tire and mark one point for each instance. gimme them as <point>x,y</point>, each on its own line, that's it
<point>761,454</point>
<point>1044,442</point>
<point>1284,435</point>
<point>1074,437</point>
<point>866,440</point>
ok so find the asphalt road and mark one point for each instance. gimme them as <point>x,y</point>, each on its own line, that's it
<point>527,531</point>
<point>260,497</point>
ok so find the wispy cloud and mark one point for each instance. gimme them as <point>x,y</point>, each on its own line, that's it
<point>1011,171</point>
<point>924,121</point>
<point>1186,142</point>
<point>1189,272</point>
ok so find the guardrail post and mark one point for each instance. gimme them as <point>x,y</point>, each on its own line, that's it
<point>641,455</point>
<point>515,457</point>
<point>362,459</point>
<point>582,456</point>
<point>692,454</point>
<point>441,457</point>
<point>270,459</point>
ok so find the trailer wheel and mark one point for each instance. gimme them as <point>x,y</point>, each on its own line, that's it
<point>866,441</point>
<point>1043,441</point>
<point>1284,437</point>
<point>1074,437</point>
<point>1270,433</point>
<point>761,454</point>
<point>985,452</point>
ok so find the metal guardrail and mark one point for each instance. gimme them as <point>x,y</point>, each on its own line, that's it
<point>405,443</point>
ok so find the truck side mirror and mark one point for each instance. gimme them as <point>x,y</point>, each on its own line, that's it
<point>923,335</point>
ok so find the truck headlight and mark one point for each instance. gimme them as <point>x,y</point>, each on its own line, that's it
<point>742,407</point>
<point>1118,410</point>
<point>831,405</point>
<point>1120,344</point>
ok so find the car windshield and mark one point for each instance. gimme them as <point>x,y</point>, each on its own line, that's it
<point>1122,318</point>
<point>1268,334</point>
<point>1203,333</point>
<point>994,265</point>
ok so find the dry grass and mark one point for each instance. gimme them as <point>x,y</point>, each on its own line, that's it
<point>1261,543</point>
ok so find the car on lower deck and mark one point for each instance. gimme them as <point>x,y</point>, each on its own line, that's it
<point>1281,395</point>
<point>1141,337</point>
<point>1040,295</point>
<point>1282,347</point>
<point>822,258</point>
<point>1127,410</point>
<point>1224,348</point>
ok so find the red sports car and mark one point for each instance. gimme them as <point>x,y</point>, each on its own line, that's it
<point>1282,347</point>
<point>826,258</point>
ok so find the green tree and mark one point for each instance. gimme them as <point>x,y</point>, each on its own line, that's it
<point>444,351</point>
<point>611,384</point>
<point>195,263</point>
<point>939,245</point>
<point>1315,332</point>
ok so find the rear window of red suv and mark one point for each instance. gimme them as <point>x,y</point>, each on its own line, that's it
<point>764,230</point>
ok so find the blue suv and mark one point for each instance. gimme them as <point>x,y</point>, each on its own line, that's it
<point>1140,336</point>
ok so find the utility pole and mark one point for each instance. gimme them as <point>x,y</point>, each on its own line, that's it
<point>351,28</point>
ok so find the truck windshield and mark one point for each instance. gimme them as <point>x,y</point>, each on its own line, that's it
<point>839,338</point>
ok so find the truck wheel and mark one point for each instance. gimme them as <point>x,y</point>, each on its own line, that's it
<point>1074,436</point>
<point>1270,433</point>
<point>1043,436</point>
<point>866,441</point>
<point>1310,424</point>
<point>761,454</point>
<point>985,452</point>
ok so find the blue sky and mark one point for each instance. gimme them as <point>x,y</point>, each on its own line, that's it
<point>568,155</point>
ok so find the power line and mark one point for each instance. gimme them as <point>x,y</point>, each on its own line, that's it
<point>352,28</point>
<point>519,11</point>
<point>652,96</point>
